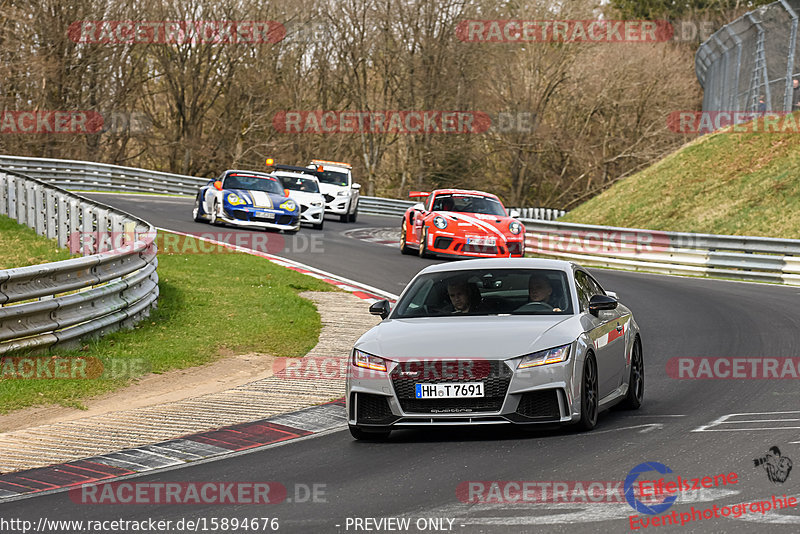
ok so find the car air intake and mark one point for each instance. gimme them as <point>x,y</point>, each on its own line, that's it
<point>442,242</point>
<point>372,409</point>
<point>540,405</point>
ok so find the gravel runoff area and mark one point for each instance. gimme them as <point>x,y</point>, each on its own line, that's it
<point>344,318</point>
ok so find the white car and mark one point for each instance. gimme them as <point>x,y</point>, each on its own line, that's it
<point>303,187</point>
<point>336,184</point>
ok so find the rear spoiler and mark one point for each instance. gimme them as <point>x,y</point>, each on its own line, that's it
<point>418,194</point>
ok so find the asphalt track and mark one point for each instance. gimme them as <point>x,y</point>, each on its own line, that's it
<point>416,474</point>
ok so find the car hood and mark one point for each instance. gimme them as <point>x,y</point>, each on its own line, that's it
<point>489,337</point>
<point>332,189</point>
<point>491,225</point>
<point>259,199</point>
<point>306,197</point>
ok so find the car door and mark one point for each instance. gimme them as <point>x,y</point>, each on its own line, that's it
<point>606,332</point>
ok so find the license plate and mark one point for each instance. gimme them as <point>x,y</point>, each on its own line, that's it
<point>485,241</point>
<point>265,216</point>
<point>455,390</point>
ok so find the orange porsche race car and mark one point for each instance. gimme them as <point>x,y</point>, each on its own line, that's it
<point>461,223</point>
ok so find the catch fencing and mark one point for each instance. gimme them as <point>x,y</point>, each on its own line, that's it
<point>114,285</point>
<point>749,64</point>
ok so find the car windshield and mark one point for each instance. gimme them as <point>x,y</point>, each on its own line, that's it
<point>333,177</point>
<point>468,204</point>
<point>487,292</point>
<point>251,182</point>
<point>294,183</point>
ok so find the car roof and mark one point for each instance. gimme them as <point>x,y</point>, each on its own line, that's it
<point>501,263</point>
<point>260,174</point>
<point>463,191</point>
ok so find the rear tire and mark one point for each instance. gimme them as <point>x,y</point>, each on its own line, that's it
<point>404,248</point>
<point>589,393</point>
<point>635,397</point>
<point>373,435</point>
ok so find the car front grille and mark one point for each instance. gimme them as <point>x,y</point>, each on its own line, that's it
<point>495,375</point>
<point>241,215</point>
<point>540,405</point>
<point>285,219</point>
<point>482,249</point>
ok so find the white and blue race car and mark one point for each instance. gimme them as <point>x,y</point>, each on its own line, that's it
<point>249,199</point>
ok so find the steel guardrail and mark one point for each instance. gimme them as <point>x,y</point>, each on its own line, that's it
<point>114,285</point>
<point>763,259</point>
<point>735,257</point>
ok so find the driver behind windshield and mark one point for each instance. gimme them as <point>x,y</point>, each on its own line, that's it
<point>541,290</point>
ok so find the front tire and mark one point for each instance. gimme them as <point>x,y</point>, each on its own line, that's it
<point>197,212</point>
<point>319,225</point>
<point>372,435</point>
<point>635,397</point>
<point>213,217</point>
<point>589,395</point>
<point>354,215</point>
<point>423,240</point>
<point>404,248</point>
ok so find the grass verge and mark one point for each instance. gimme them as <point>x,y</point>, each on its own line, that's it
<point>209,304</point>
<point>20,246</point>
<point>721,183</point>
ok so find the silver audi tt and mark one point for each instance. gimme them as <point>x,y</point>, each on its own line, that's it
<point>490,341</point>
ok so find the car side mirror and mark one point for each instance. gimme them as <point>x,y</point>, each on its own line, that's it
<point>514,213</point>
<point>356,186</point>
<point>601,302</point>
<point>381,308</point>
<point>218,185</point>
<point>419,206</point>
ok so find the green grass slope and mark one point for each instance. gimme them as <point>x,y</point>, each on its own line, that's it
<point>722,183</point>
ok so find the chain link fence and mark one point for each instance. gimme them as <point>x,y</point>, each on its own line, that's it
<point>749,65</point>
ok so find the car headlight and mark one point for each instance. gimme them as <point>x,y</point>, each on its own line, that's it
<point>368,361</point>
<point>440,222</point>
<point>234,199</point>
<point>289,205</point>
<point>515,227</point>
<point>545,357</point>
<point>344,193</point>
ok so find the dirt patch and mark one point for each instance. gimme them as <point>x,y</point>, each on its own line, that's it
<point>226,373</point>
